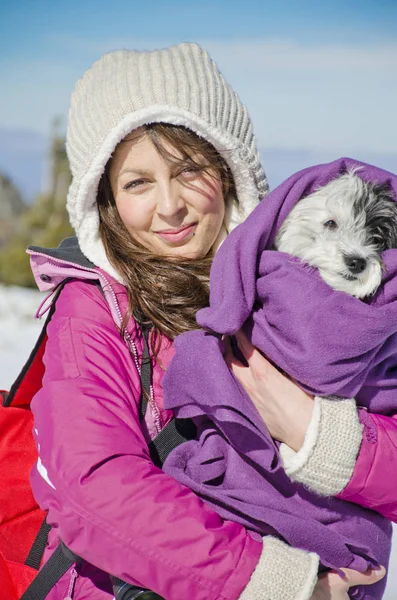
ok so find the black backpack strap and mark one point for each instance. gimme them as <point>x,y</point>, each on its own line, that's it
<point>176,431</point>
<point>37,550</point>
<point>146,372</point>
<point>172,435</point>
<point>57,565</point>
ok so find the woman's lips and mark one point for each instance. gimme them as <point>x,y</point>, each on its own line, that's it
<point>171,236</point>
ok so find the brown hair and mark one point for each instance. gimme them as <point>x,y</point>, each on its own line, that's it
<point>167,291</point>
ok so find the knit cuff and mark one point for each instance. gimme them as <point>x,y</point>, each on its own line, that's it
<point>282,573</point>
<point>326,461</point>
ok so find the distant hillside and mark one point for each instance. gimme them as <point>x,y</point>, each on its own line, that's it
<point>44,222</point>
<point>23,156</point>
<point>11,203</point>
<point>11,208</point>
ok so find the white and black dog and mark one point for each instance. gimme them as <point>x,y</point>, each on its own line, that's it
<point>341,229</point>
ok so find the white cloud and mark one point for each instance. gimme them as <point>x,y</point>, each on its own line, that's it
<point>286,55</point>
<point>329,97</point>
<point>264,53</point>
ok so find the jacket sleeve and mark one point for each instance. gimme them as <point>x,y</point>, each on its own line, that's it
<point>374,480</point>
<point>347,452</point>
<point>109,502</point>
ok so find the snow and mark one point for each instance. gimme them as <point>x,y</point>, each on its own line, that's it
<point>19,332</point>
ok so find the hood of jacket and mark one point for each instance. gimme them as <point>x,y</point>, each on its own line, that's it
<point>50,266</point>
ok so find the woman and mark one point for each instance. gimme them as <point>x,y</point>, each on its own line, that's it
<point>164,165</point>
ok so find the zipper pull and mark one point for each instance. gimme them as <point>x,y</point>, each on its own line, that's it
<point>73,577</point>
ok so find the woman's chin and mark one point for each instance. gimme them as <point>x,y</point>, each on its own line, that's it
<point>184,251</point>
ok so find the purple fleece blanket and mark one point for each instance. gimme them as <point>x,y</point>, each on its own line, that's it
<point>329,342</point>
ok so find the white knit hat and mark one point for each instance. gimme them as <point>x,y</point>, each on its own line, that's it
<point>126,89</point>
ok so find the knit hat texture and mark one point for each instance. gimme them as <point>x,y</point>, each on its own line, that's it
<point>124,90</point>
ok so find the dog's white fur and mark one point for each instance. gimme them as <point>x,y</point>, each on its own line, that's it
<point>305,234</point>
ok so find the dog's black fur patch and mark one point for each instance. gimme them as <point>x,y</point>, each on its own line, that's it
<point>380,207</point>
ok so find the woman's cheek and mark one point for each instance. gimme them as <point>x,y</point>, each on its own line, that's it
<point>135,215</point>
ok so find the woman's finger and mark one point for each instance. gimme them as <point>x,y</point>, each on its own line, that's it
<point>368,578</point>
<point>246,348</point>
<point>232,362</point>
<point>241,373</point>
<point>251,354</point>
<point>227,349</point>
<point>259,364</point>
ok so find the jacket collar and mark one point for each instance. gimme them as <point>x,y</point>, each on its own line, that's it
<point>68,251</point>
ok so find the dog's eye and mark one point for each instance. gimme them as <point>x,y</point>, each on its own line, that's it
<point>331,224</point>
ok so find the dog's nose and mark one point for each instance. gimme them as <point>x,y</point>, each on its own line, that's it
<point>355,264</point>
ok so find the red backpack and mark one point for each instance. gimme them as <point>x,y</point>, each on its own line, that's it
<point>23,530</point>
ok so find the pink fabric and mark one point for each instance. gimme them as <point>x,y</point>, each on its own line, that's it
<point>374,480</point>
<point>93,451</point>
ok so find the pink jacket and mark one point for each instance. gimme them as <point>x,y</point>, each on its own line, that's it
<point>95,476</point>
<point>106,499</point>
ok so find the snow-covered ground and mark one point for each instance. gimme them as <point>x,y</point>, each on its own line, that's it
<point>19,331</point>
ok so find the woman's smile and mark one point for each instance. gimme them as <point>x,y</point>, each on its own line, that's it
<point>177,235</point>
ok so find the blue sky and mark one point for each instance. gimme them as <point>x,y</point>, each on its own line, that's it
<point>317,77</point>
<point>25,26</point>
<point>289,60</point>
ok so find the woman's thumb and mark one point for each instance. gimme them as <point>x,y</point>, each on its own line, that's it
<point>369,577</point>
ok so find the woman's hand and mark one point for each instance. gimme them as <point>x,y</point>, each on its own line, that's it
<point>284,407</point>
<point>330,586</point>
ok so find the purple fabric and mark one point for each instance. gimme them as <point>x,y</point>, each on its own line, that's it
<point>329,342</point>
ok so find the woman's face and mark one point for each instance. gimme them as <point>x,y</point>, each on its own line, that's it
<point>170,209</point>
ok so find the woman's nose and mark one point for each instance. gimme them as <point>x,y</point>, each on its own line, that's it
<point>169,200</point>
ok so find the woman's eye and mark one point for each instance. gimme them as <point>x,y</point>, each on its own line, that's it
<point>331,224</point>
<point>134,184</point>
<point>190,171</point>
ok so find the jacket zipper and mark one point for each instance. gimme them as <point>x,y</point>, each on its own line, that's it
<point>73,576</point>
<point>134,351</point>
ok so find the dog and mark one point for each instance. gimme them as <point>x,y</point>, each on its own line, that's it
<point>341,229</point>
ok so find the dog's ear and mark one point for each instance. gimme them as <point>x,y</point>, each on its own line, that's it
<point>381,216</point>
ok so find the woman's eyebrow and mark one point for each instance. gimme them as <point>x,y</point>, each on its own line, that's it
<point>136,171</point>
